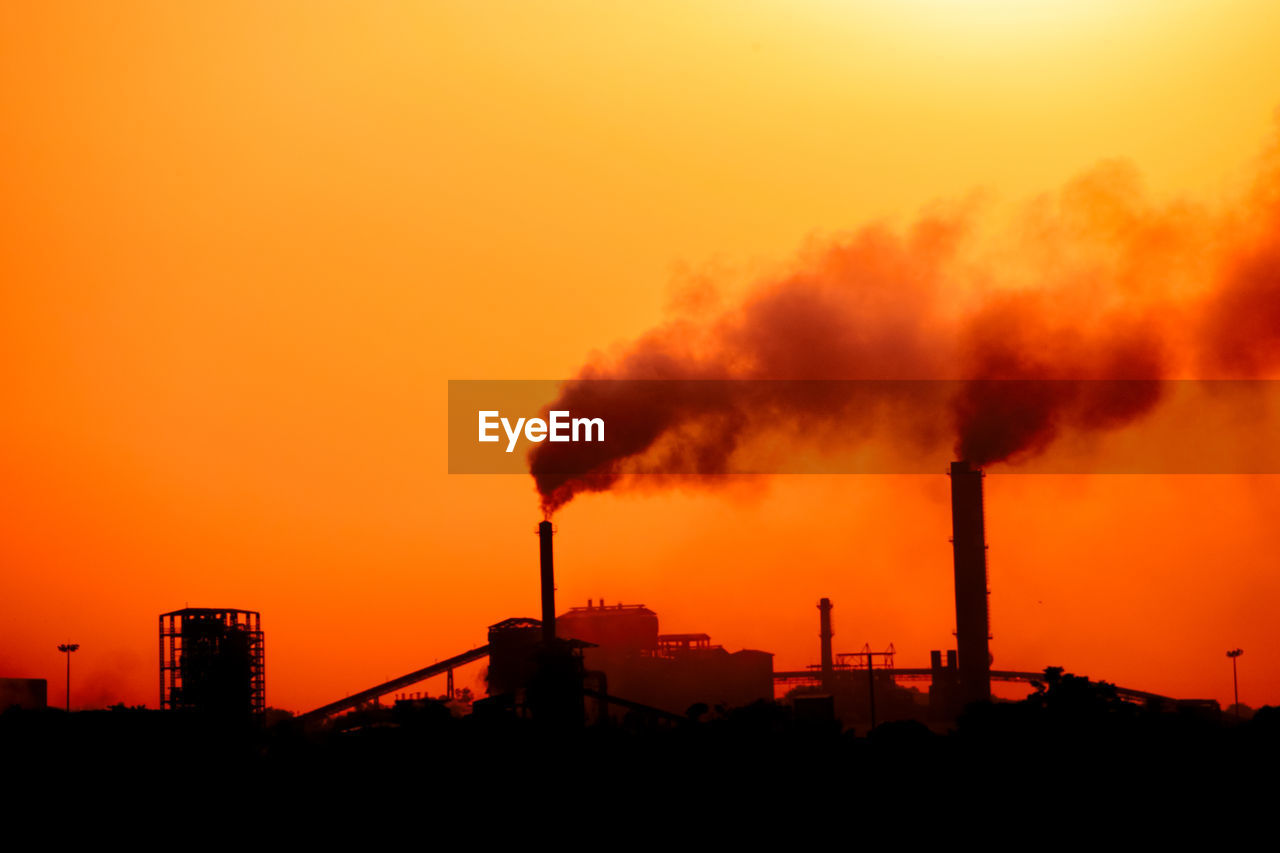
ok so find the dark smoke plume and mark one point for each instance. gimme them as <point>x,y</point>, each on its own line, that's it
<point>1095,282</point>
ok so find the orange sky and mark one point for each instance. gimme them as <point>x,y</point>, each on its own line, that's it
<point>245,246</point>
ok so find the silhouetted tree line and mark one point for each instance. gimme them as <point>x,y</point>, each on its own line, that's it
<point>1068,723</point>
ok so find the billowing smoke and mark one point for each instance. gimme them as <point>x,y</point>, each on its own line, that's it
<point>1096,288</point>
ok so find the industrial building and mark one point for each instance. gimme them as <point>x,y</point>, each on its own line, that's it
<point>212,660</point>
<point>547,668</point>
<point>668,671</point>
<point>616,655</point>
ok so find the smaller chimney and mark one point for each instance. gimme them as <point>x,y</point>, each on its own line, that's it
<point>548,583</point>
<point>825,633</point>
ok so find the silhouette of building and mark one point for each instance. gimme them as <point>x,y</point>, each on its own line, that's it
<point>944,686</point>
<point>513,654</point>
<point>667,671</point>
<point>618,628</point>
<point>212,660</point>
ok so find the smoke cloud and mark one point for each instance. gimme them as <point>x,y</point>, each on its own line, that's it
<point>1093,282</point>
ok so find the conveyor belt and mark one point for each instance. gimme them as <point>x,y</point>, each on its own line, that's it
<point>357,699</point>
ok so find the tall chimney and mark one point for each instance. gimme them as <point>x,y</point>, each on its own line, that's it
<point>825,633</point>
<point>968,540</point>
<point>548,583</point>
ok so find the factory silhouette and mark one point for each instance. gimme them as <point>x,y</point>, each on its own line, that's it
<point>602,682</point>
<point>602,661</point>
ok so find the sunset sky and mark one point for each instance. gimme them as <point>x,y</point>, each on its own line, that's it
<point>245,245</point>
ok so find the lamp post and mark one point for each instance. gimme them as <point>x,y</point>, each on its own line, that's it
<point>68,648</point>
<point>1235,679</point>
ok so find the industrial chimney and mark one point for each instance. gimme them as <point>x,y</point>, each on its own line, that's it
<point>548,584</point>
<point>968,540</point>
<point>825,633</point>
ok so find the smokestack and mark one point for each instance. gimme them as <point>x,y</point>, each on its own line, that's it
<point>968,540</point>
<point>825,632</point>
<point>548,584</point>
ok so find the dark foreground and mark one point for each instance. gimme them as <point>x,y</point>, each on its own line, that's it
<point>761,753</point>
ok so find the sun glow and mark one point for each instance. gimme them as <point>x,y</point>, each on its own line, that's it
<point>991,24</point>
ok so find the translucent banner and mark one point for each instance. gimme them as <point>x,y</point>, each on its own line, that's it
<point>580,428</point>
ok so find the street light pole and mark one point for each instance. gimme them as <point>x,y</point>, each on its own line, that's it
<point>1235,679</point>
<point>68,648</point>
